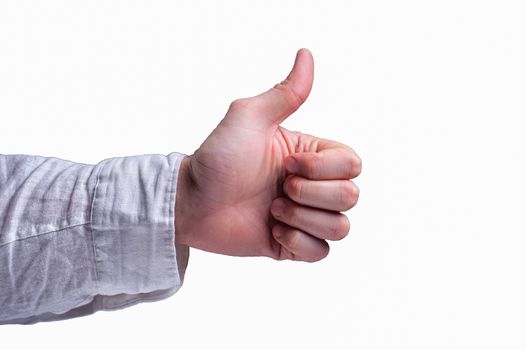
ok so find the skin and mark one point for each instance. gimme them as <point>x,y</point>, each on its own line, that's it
<point>254,188</point>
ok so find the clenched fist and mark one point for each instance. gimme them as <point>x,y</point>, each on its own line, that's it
<point>254,188</point>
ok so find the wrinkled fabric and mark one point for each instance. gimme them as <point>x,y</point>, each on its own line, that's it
<point>78,238</point>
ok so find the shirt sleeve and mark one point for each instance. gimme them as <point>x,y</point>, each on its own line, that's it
<point>77,238</point>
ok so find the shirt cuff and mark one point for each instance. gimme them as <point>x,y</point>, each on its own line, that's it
<point>133,230</point>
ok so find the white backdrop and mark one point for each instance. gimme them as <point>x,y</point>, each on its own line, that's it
<point>431,94</point>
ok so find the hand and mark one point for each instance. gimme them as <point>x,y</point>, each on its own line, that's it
<point>254,188</point>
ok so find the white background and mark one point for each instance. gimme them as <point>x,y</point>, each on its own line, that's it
<point>431,94</point>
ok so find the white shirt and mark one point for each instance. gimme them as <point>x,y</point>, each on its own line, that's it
<point>77,238</point>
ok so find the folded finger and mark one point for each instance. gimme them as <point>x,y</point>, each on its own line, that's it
<point>317,222</point>
<point>337,195</point>
<point>298,245</point>
<point>327,165</point>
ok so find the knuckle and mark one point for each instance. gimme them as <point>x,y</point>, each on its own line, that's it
<point>340,228</point>
<point>323,252</point>
<point>294,188</point>
<point>291,239</point>
<point>239,103</point>
<point>355,165</point>
<point>349,194</point>
<point>352,164</point>
<point>320,254</point>
<point>294,100</point>
<point>313,166</point>
<point>292,215</point>
<point>358,165</point>
<point>356,193</point>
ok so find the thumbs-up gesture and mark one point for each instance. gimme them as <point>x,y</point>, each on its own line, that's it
<point>254,188</point>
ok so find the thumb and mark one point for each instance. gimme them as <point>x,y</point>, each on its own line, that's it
<point>276,104</point>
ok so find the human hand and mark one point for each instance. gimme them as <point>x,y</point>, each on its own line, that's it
<point>231,189</point>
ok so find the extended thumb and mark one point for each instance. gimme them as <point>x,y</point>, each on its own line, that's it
<point>286,97</point>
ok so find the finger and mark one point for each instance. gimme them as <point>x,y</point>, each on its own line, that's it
<point>326,164</point>
<point>317,222</point>
<point>337,195</point>
<point>276,104</point>
<point>298,245</point>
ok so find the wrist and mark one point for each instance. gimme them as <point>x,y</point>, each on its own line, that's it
<point>182,201</point>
